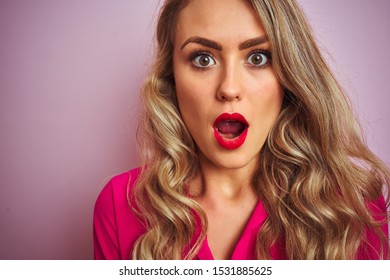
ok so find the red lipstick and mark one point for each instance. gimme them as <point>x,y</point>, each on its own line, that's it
<point>230,130</point>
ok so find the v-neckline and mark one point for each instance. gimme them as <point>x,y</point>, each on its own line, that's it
<point>244,248</point>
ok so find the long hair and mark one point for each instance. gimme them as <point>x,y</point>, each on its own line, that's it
<point>316,176</point>
<point>169,160</point>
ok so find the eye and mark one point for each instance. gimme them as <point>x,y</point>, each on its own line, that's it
<point>258,59</point>
<point>203,60</point>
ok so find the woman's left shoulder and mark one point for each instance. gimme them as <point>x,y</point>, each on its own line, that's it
<point>372,247</point>
<point>377,206</point>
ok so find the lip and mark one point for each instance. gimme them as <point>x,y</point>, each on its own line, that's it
<point>233,143</point>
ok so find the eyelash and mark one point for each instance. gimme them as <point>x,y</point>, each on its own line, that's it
<point>266,53</point>
<point>194,54</point>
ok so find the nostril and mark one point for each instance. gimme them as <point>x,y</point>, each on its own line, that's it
<point>229,93</point>
<point>230,97</point>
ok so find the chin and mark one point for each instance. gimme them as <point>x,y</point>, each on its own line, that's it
<point>232,159</point>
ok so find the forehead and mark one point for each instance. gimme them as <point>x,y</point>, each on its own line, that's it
<point>226,21</point>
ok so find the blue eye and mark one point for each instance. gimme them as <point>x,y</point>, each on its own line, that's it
<point>258,59</point>
<point>203,60</point>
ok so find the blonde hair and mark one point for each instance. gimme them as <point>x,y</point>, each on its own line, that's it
<point>316,174</point>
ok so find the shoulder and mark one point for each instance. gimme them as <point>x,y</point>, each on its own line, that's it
<point>371,247</point>
<point>117,188</point>
<point>115,226</point>
<point>377,206</point>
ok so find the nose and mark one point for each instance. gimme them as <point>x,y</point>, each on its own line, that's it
<point>230,84</point>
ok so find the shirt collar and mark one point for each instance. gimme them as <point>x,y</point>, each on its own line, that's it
<point>246,244</point>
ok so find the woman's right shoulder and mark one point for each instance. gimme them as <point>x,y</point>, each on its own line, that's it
<point>118,188</point>
<point>115,226</point>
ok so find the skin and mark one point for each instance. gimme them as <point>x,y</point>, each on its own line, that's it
<point>224,77</point>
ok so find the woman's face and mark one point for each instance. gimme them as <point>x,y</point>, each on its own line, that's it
<point>228,94</point>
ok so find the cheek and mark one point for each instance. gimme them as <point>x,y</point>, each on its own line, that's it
<point>187,99</point>
<point>186,95</point>
<point>274,99</point>
<point>193,95</point>
<point>193,104</point>
<point>184,89</point>
<point>268,97</point>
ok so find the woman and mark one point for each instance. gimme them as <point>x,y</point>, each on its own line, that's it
<point>251,150</point>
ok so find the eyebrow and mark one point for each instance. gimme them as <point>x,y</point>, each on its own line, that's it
<point>202,41</point>
<point>214,45</point>
<point>253,42</point>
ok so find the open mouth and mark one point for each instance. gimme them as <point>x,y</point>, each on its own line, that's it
<point>230,130</point>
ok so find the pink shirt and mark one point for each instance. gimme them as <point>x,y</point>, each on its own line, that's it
<point>115,228</point>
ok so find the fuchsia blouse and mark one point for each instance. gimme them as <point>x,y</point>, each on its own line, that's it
<point>115,228</point>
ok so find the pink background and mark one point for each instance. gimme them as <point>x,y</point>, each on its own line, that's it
<point>70,73</point>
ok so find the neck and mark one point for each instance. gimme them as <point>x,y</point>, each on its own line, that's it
<point>217,183</point>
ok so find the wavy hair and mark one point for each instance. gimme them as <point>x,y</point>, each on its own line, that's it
<point>317,175</point>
